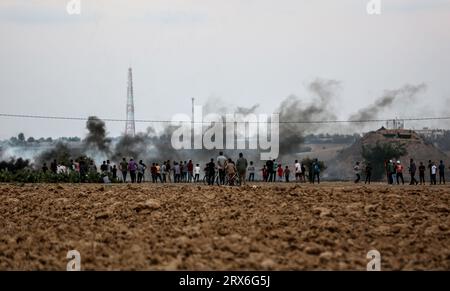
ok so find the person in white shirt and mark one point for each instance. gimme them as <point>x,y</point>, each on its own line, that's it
<point>251,172</point>
<point>197,173</point>
<point>433,173</point>
<point>298,171</point>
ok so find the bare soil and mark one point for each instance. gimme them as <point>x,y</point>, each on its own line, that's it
<point>195,227</point>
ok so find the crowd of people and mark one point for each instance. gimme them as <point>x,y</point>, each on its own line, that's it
<point>222,170</point>
<point>395,169</point>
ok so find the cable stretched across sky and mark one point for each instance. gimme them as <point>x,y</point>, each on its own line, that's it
<point>208,122</point>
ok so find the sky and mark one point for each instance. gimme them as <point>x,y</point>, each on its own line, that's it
<point>242,52</point>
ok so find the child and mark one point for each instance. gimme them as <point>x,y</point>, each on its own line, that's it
<point>287,172</point>
<point>280,173</point>
<point>265,173</point>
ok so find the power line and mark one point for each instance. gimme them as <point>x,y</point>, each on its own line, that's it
<point>207,122</point>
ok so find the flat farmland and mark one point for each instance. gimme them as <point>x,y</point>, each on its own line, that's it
<point>261,226</point>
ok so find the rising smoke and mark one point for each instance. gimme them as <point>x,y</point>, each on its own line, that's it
<point>96,139</point>
<point>156,146</point>
<point>405,95</point>
<point>292,110</point>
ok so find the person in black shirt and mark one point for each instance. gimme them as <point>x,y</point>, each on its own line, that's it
<point>211,172</point>
<point>412,172</point>
<point>270,171</point>
<point>104,167</point>
<point>114,173</point>
<point>441,168</point>
<point>368,173</point>
<point>422,173</point>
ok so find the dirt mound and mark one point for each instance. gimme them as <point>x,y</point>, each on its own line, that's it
<point>189,227</point>
<point>415,146</point>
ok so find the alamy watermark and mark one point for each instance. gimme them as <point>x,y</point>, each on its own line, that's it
<point>74,263</point>
<point>375,260</point>
<point>73,7</point>
<point>373,7</point>
<point>229,131</point>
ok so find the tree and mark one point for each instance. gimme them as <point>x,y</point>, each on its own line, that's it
<point>31,139</point>
<point>379,153</point>
<point>21,137</point>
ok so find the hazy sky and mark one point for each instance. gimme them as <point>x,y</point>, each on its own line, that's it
<point>241,51</point>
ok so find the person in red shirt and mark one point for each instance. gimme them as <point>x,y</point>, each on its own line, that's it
<point>280,173</point>
<point>190,168</point>
<point>265,173</point>
<point>399,171</point>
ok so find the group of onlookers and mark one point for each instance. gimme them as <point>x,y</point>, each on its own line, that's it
<point>395,169</point>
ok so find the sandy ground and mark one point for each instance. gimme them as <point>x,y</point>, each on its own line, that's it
<point>190,227</point>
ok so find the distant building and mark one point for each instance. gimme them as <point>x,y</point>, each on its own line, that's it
<point>430,132</point>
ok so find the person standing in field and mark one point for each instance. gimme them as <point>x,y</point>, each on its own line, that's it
<point>168,171</point>
<point>176,172</point>
<point>190,168</point>
<point>164,172</point>
<point>241,167</point>
<point>399,172</point>
<point>315,171</point>
<point>270,171</point>
<point>422,173</point>
<point>430,165</point>
<point>298,171</point>
<point>287,172</point>
<point>280,173</point>
<point>158,173</point>
<point>390,172</point>
<point>265,173</point>
<point>251,172</point>
<point>197,173</point>
<point>303,174</point>
<point>185,171</point>
<point>141,171</point>
<point>433,174</point>
<point>441,172</point>
<point>412,172</point>
<point>356,168</point>
<point>123,167</point>
<point>132,167</point>
<point>211,172</point>
<point>221,161</point>
<point>368,173</point>
<point>114,173</point>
